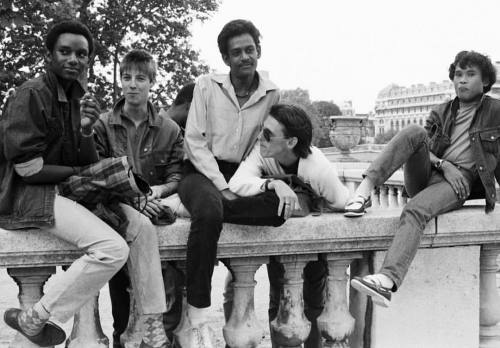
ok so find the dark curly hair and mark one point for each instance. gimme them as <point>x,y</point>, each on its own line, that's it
<point>470,58</point>
<point>296,123</point>
<point>68,26</point>
<point>235,28</point>
<point>185,94</point>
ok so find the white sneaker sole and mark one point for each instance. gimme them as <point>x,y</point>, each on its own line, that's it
<point>376,297</point>
<point>353,214</point>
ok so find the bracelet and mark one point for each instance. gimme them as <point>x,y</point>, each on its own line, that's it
<point>87,135</point>
<point>266,184</point>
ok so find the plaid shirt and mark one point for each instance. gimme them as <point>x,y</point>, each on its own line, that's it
<point>108,180</point>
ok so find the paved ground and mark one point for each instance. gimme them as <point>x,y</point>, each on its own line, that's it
<point>8,298</point>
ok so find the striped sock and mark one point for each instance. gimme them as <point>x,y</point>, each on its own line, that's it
<point>154,333</point>
<point>33,319</point>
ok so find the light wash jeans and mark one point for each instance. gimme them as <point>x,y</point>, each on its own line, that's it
<point>144,265</point>
<point>105,252</point>
<point>430,194</point>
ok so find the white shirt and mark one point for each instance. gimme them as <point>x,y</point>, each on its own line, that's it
<point>217,127</point>
<point>315,170</point>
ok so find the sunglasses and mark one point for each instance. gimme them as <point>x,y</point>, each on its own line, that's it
<point>268,135</point>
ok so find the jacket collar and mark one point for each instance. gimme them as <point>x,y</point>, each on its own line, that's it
<point>116,115</point>
<point>76,90</point>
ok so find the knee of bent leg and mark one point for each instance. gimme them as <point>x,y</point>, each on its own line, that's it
<point>113,252</point>
<point>414,130</point>
<point>210,215</point>
<point>415,214</point>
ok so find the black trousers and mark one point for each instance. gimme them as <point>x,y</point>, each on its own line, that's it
<point>208,211</point>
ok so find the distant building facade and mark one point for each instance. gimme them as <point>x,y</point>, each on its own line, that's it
<point>397,107</point>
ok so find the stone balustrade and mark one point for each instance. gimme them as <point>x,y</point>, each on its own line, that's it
<point>31,257</point>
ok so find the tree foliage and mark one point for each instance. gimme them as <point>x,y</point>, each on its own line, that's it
<point>385,137</point>
<point>326,108</point>
<point>161,27</point>
<point>318,111</point>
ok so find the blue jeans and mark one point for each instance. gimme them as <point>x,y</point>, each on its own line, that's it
<point>430,195</point>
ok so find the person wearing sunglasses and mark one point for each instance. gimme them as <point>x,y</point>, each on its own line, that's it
<point>284,147</point>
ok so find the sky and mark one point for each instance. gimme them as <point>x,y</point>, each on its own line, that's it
<point>350,50</point>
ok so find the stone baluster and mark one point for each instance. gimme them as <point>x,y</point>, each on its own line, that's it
<point>392,198</point>
<point>335,322</point>
<point>401,197</point>
<point>384,202</point>
<point>291,328</point>
<point>30,282</point>
<point>87,331</point>
<point>375,196</point>
<point>243,329</point>
<point>351,186</point>
<point>489,300</point>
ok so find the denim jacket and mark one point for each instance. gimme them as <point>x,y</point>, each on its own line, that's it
<point>39,121</point>
<point>484,135</point>
<point>161,148</point>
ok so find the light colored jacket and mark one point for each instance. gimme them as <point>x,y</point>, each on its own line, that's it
<point>315,170</point>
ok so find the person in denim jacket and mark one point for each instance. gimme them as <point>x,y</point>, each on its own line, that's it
<point>46,134</point>
<point>153,145</point>
<point>454,158</point>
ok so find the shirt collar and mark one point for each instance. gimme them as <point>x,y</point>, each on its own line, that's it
<point>116,116</point>
<point>265,84</point>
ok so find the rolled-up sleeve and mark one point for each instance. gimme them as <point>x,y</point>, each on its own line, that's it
<point>174,167</point>
<point>101,139</point>
<point>196,144</point>
<point>25,127</point>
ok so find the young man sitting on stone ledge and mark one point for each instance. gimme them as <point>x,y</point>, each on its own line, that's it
<point>45,136</point>
<point>153,145</point>
<point>225,117</point>
<point>454,158</point>
<point>284,147</point>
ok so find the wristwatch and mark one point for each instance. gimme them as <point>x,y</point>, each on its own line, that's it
<point>438,164</point>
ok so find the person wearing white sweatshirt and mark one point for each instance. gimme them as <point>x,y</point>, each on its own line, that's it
<point>284,148</point>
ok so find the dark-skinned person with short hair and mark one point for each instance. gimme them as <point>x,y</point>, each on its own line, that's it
<point>46,135</point>
<point>225,118</point>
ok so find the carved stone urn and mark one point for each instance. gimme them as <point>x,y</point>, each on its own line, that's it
<point>345,133</point>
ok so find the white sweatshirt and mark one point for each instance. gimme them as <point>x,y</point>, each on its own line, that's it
<point>315,170</point>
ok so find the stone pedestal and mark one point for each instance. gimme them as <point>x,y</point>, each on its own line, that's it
<point>291,328</point>
<point>489,315</point>
<point>87,330</point>
<point>243,329</point>
<point>335,322</point>
<point>30,282</point>
<point>437,304</point>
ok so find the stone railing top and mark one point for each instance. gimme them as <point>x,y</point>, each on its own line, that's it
<point>311,234</point>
